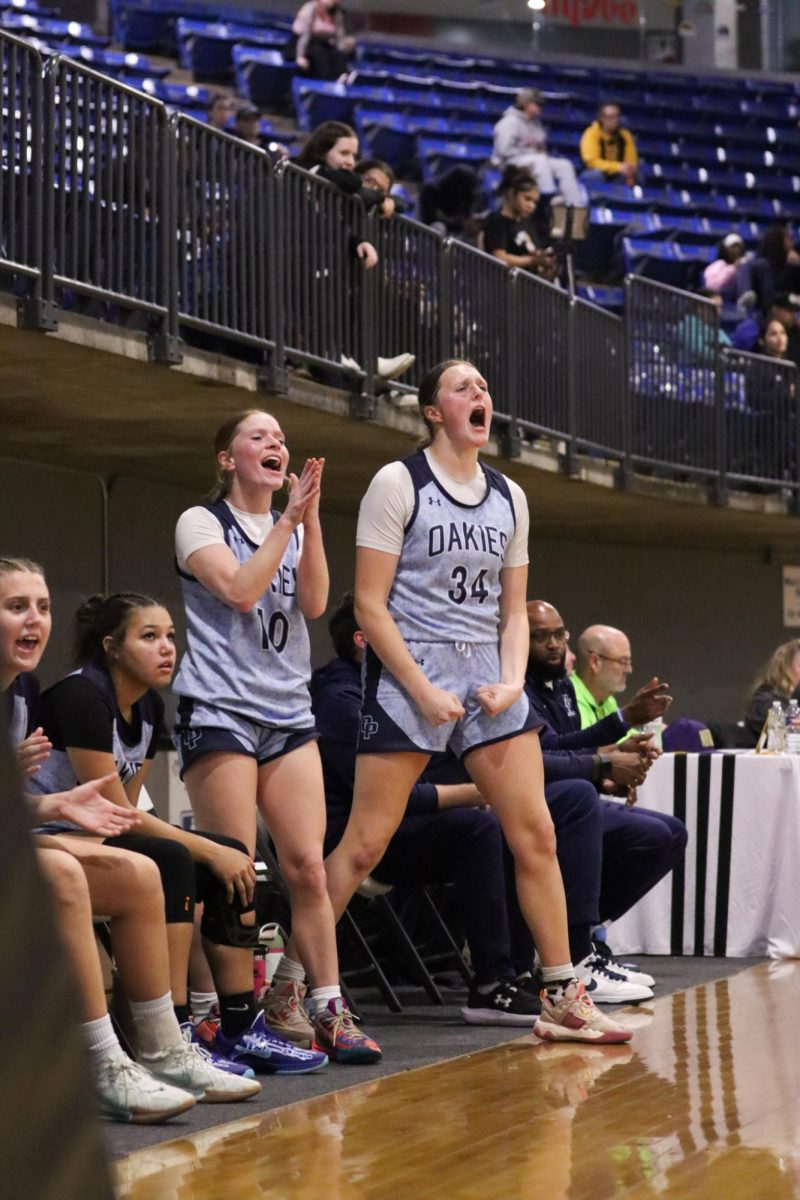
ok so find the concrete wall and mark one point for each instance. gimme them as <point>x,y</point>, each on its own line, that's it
<point>704,619</point>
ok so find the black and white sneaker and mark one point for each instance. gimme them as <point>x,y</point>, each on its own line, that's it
<point>628,970</point>
<point>606,986</point>
<point>506,1004</point>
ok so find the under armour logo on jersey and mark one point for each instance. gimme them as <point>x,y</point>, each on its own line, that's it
<point>369,727</point>
<point>434,500</point>
<point>191,738</point>
<point>568,706</point>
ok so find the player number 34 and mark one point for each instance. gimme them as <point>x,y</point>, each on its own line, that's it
<point>461,589</point>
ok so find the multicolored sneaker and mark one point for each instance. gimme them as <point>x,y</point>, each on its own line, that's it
<point>190,1034</point>
<point>284,1008</point>
<point>258,1047</point>
<point>573,1018</point>
<point>128,1092</point>
<point>188,1066</point>
<point>335,1032</point>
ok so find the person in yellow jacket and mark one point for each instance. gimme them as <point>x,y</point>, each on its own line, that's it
<point>608,150</point>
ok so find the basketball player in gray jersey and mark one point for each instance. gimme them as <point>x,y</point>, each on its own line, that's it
<point>441,577</point>
<point>245,733</point>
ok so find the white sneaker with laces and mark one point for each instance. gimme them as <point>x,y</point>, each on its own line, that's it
<point>128,1092</point>
<point>639,977</point>
<point>606,986</point>
<point>189,1067</point>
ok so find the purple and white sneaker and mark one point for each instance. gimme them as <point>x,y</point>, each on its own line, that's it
<point>260,1047</point>
<point>211,1055</point>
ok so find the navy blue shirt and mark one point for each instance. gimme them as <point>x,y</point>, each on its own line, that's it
<point>561,736</point>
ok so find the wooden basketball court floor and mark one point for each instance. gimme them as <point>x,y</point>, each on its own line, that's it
<point>703,1103</point>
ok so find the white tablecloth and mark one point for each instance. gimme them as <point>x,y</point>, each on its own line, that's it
<point>743,855</point>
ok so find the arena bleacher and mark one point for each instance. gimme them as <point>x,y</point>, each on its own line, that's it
<point>207,247</point>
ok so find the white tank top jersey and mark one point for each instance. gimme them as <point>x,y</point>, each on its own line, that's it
<point>254,664</point>
<point>447,583</point>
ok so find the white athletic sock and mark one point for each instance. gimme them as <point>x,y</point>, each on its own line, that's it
<point>201,1003</point>
<point>102,1040</point>
<point>157,1028</point>
<point>485,989</point>
<point>289,968</point>
<point>320,996</point>
<point>557,978</point>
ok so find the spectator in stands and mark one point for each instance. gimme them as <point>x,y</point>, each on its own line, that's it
<point>220,110</point>
<point>331,152</point>
<point>443,837</point>
<point>699,333</point>
<point>323,47</point>
<point>773,340</point>
<point>454,205</point>
<point>378,176</point>
<point>547,266</point>
<point>778,680</point>
<point>520,139</point>
<point>729,273</point>
<point>246,124</point>
<point>746,335</point>
<point>509,234</point>
<point>608,149</point>
<point>775,268</point>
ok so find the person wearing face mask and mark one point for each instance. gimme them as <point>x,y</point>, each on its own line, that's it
<point>323,47</point>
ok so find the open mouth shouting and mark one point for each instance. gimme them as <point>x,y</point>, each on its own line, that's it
<point>477,418</point>
<point>272,462</point>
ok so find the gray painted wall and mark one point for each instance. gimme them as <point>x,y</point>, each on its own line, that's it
<point>704,619</point>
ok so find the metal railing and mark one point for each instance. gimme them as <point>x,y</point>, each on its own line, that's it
<point>106,205</point>
<point>762,420</point>
<point>225,224</point>
<point>325,293</point>
<point>102,195</point>
<point>21,165</point>
<point>674,379</point>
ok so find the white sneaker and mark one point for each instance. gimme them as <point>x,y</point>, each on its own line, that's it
<point>187,1066</point>
<point>632,976</point>
<point>350,363</point>
<point>128,1092</point>
<point>391,368</point>
<point>401,399</point>
<point>606,986</point>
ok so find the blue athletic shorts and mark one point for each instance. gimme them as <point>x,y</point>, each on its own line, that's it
<point>390,721</point>
<point>204,729</point>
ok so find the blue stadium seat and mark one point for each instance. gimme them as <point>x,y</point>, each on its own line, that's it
<point>437,156</point>
<point>263,76</point>
<point>316,101</point>
<point>610,298</point>
<point>665,262</point>
<point>142,28</point>
<point>206,48</point>
<point>116,62</point>
<point>48,28</point>
<point>390,136</point>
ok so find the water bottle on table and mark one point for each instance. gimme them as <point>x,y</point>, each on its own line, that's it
<point>776,729</point>
<point>791,724</point>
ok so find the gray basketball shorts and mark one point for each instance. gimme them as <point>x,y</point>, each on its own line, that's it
<point>390,721</point>
<point>204,729</point>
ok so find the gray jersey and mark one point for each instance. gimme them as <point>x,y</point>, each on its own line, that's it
<point>256,664</point>
<point>447,584</point>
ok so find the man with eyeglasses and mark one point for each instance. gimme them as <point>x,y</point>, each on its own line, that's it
<point>637,847</point>
<point>601,673</point>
